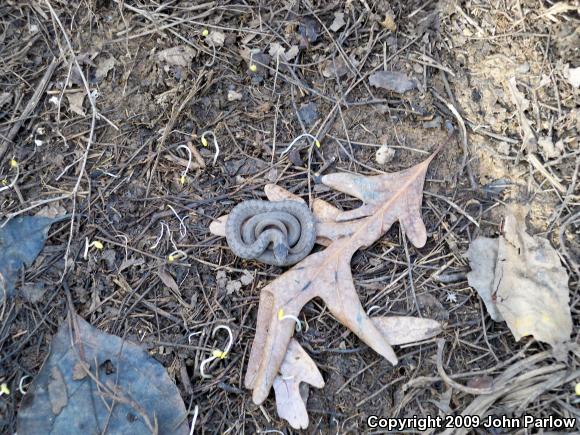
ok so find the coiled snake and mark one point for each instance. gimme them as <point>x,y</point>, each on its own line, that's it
<point>280,233</point>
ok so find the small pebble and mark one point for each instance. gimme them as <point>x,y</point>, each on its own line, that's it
<point>385,154</point>
<point>234,96</point>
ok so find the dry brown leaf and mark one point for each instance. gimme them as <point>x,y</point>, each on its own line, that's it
<point>531,284</point>
<point>386,199</point>
<point>521,280</point>
<point>104,66</point>
<point>181,55</point>
<point>75,101</point>
<point>399,330</point>
<point>297,367</point>
<point>482,256</point>
<point>168,280</point>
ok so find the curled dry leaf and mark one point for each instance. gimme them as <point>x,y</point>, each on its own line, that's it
<point>217,37</point>
<point>103,67</point>
<point>386,199</point>
<point>525,283</point>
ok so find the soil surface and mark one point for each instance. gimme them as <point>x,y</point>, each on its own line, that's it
<point>248,78</point>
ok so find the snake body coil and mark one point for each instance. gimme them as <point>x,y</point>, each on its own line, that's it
<point>280,233</point>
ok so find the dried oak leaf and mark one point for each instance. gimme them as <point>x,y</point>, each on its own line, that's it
<point>386,199</point>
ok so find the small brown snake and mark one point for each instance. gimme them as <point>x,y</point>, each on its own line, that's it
<point>280,233</point>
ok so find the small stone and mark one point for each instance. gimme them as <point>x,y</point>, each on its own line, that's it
<point>234,96</point>
<point>385,154</point>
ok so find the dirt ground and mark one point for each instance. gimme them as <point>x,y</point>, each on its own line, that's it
<point>256,75</point>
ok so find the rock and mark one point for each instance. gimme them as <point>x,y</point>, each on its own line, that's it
<point>384,154</point>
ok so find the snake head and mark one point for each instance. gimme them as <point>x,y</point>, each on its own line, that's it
<point>280,252</point>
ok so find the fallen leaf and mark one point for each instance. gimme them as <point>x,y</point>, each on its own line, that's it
<point>75,102</point>
<point>217,37</point>
<point>399,330</point>
<point>33,292</point>
<point>168,280</point>
<point>521,280</point>
<point>233,286</point>
<point>5,98</point>
<point>338,22</point>
<point>276,50</point>
<point>247,277</point>
<point>308,29</point>
<point>181,55</point>
<point>389,22</point>
<point>308,114</point>
<point>21,240</point>
<point>392,81</point>
<point>103,67</point>
<point>79,371</point>
<point>297,367</point>
<point>52,210</point>
<point>430,305</point>
<point>134,394</point>
<point>482,256</point>
<point>548,149</point>
<point>531,285</point>
<point>386,199</point>
<point>337,67</point>
<point>234,96</point>
<point>292,52</point>
<point>221,278</point>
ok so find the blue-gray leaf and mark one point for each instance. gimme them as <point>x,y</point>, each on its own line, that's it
<point>21,240</point>
<point>75,391</point>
